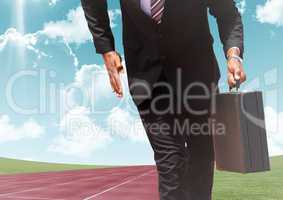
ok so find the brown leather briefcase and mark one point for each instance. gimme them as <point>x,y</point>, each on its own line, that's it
<point>242,147</point>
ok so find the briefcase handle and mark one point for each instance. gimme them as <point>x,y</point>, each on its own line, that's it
<point>237,86</point>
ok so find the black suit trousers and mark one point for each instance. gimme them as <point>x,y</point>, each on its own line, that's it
<point>185,162</point>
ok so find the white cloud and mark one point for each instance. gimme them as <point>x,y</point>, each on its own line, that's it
<point>53,2</point>
<point>271,12</point>
<point>28,130</point>
<point>121,123</point>
<point>274,126</point>
<point>27,41</point>
<point>92,87</point>
<point>30,41</point>
<point>242,6</point>
<point>113,15</point>
<point>72,54</point>
<point>13,35</point>
<point>74,29</point>
<point>50,2</point>
<point>79,136</point>
<point>94,78</point>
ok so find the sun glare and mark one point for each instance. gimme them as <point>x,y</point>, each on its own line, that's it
<point>20,15</point>
<point>20,26</point>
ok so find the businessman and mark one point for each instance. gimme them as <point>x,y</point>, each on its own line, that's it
<point>172,76</point>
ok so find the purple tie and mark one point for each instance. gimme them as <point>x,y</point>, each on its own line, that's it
<point>157,8</point>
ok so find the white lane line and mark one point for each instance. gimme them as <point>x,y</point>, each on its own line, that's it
<point>119,185</point>
<point>45,187</point>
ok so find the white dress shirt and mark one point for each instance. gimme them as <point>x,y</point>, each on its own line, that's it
<point>146,6</point>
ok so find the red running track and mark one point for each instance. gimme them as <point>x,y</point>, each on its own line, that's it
<point>123,183</point>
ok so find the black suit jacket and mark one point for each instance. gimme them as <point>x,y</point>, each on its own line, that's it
<point>182,40</point>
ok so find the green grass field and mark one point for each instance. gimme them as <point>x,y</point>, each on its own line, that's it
<point>228,186</point>
<point>258,186</point>
<point>12,166</point>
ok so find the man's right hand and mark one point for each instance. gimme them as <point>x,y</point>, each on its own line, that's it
<point>113,63</point>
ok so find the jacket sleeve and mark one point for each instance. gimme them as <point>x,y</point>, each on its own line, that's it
<point>96,14</point>
<point>229,23</point>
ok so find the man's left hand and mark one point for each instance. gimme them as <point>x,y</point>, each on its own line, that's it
<point>235,72</point>
<point>235,68</point>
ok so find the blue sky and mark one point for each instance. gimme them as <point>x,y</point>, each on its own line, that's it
<point>51,76</point>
